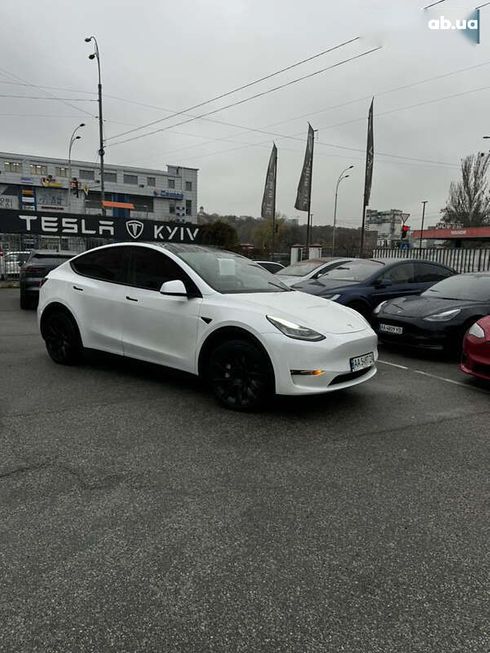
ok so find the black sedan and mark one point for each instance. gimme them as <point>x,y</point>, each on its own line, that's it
<point>34,270</point>
<point>362,284</point>
<point>440,317</point>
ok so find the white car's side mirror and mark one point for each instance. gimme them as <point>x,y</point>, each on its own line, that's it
<point>175,288</point>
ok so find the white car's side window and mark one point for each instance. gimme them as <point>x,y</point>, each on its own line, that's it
<point>149,269</point>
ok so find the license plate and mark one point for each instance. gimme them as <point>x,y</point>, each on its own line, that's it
<point>389,328</point>
<point>361,362</point>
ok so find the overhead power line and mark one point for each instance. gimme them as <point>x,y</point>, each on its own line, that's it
<point>43,97</point>
<point>294,137</point>
<point>409,106</point>
<point>6,73</point>
<point>438,2</point>
<point>240,88</point>
<point>248,99</point>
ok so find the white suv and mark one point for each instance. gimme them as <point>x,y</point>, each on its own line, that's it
<point>208,312</point>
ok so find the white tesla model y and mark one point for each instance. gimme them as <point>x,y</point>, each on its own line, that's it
<point>208,312</point>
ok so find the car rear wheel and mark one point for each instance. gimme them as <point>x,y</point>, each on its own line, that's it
<point>62,338</point>
<point>240,375</point>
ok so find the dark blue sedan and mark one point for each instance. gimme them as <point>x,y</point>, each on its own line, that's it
<point>362,284</point>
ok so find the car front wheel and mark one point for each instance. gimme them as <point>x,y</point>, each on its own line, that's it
<point>240,375</point>
<point>62,338</point>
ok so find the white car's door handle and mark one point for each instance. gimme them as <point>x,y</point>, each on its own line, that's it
<point>131,299</point>
<point>77,288</point>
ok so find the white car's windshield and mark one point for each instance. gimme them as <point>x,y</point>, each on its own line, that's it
<point>227,272</point>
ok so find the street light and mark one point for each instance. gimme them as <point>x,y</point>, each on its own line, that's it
<point>73,138</point>
<point>95,55</point>
<point>341,177</point>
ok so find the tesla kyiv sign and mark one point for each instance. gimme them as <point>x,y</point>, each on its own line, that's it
<point>54,224</point>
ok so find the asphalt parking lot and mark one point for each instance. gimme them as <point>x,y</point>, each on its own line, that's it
<point>137,515</point>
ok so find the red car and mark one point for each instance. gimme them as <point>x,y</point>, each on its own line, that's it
<point>476,350</point>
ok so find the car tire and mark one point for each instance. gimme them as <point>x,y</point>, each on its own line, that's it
<point>62,338</point>
<point>26,302</point>
<point>240,375</point>
<point>453,348</point>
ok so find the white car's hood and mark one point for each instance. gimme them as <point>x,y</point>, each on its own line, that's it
<point>319,314</point>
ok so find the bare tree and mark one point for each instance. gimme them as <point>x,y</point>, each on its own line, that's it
<point>468,204</point>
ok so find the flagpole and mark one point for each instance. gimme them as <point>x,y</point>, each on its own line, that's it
<point>368,175</point>
<point>361,248</point>
<point>308,226</point>
<point>273,239</point>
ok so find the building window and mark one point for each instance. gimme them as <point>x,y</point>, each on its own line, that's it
<point>37,169</point>
<point>111,177</point>
<point>61,172</point>
<point>188,207</point>
<point>130,179</point>
<point>141,203</point>
<point>188,185</point>
<point>151,181</point>
<point>171,183</point>
<point>12,166</point>
<point>171,208</point>
<point>87,175</point>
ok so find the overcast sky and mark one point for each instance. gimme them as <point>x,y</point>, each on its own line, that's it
<point>173,55</point>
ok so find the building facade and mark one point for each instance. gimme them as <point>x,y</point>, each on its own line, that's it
<point>32,183</point>
<point>387,224</point>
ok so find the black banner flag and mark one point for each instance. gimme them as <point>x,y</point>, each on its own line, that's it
<point>303,197</point>
<point>369,157</point>
<point>269,199</point>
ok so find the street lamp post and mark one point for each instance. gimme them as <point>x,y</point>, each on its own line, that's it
<point>73,138</point>
<point>341,177</point>
<point>422,226</point>
<point>95,55</point>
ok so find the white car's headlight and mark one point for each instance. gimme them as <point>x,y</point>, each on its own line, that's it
<point>380,306</point>
<point>443,317</point>
<point>332,298</point>
<point>476,331</point>
<point>295,331</point>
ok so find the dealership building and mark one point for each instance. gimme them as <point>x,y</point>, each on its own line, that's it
<point>33,183</point>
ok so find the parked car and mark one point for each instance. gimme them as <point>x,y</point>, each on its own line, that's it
<point>362,284</point>
<point>11,262</point>
<point>208,312</point>
<point>37,266</point>
<point>476,350</point>
<point>440,317</point>
<point>271,266</point>
<point>312,268</point>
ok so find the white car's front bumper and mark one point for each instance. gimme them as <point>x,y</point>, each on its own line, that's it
<point>332,356</point>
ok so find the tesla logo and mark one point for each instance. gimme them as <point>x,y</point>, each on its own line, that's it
<point>134,228</point>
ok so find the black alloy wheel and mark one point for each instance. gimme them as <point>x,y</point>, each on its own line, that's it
<point>240,375</point>
<point>26,302</point>
<point>62,338</point>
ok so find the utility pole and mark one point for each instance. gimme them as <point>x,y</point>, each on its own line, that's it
<point>73,138</point>
<point>341,177</point>
<point>422,228</point>
<point>95,55</point>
